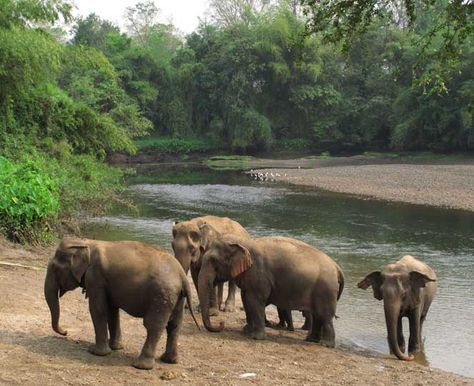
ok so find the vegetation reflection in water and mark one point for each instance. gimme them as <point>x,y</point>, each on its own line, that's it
<point>362,235</point>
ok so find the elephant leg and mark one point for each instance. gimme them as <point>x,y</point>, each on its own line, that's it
<point>220,295</point>
<point>99,312</point>
<point>230,301</point>
<point>315,333</point>
<point>248,328</point>
<point>155,322</point>
<point>115,341</point>
<point>400,337</point>
<point>414,342</point>
<point>308,321</point>
<point>283,318</point>
<point>289,322</point>
<point>255,309</point>
<point>328,335</point>
<point>172,331</point>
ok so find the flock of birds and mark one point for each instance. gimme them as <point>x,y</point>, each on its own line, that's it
<point>259,176</point>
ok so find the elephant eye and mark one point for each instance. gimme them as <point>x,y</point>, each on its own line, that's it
<point>194,236</point>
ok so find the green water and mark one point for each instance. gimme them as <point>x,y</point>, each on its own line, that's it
<point>361,235</point>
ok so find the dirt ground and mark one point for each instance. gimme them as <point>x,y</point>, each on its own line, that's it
<point>32,354</point>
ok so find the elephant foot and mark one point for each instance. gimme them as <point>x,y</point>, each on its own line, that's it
<point>144,363</point>
<point>402,347</point>
<point>116,345</point>
<point>169,358</point>
<point>271,324</point>
<point>258,335</point>
<point>327,343</point>
<point>213,311</point>
<point>314,339</point>
<point>229,307</point>
<point>99,350</point>
<point>247,329</point>
<point>413,349</point>
<point>290,328</point>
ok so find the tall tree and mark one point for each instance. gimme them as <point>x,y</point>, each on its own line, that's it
<point>140,19</point>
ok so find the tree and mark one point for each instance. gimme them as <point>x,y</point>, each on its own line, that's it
<point>231,12</point>
<point>140,19</point>
<point>93,31</point>
<point>443,38</point>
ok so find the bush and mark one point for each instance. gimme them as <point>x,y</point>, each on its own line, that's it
<point>175,145</point>
<point>29,201</point>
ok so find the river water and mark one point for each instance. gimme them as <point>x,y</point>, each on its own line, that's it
<point>361,235</point>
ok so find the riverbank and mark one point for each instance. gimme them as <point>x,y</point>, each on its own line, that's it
<point>31,353</point>
<point>449,185</point>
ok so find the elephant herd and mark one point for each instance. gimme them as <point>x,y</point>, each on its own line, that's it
<point>150,283</point>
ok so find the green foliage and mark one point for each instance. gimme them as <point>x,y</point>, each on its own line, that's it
<point>175,145</point>
<point>29,200</point>
<point>292,144</point>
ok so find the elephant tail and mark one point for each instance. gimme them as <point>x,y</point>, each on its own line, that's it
<point>340,279</point>
<point>187,295</point>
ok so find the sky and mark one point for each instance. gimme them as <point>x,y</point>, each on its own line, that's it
<point>183,14</point>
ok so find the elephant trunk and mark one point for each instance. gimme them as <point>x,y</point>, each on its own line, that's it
<point>392,312</point>
<point>206,279</point>
<point>51,290</point>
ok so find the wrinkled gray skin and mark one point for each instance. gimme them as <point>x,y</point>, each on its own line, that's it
<point>191,240</point>
<point>407,288</point>
<point>140,279</point>
<point>274,270</point>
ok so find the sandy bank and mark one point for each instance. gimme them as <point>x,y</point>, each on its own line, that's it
<point>450,186</point>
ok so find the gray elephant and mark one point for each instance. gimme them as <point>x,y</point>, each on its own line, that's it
<point>407,288</point>
<point>140,279</point>
<point>190,242</point>
<point>274,270</point>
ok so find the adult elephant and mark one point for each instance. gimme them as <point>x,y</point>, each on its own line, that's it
<point>274,270</point>
<point>191,240</point>
<point>142,280</point>
<point>407,288</point>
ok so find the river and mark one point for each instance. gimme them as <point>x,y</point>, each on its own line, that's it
<point>361,235</point>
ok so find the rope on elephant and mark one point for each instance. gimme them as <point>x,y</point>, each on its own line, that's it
<point>9,264</point>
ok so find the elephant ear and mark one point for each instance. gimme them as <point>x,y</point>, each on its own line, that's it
<point>208,235</point>
<point>419,280</point>
<point>240,261</point>
<point>375,280</point>
<point>80,261</point>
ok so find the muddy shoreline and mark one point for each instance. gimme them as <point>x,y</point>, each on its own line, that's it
<point>32,354</point>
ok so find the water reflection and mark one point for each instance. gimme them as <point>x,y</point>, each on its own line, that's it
<point>362,235</point>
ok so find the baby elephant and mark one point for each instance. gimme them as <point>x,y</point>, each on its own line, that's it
<point>140,279</point>
<point>407,288</point>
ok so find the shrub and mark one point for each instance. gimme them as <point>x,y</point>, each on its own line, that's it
<point>29,201</point>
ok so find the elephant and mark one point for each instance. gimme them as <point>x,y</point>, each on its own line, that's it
<point>407,288</point>
<point>274,270</point>
<point>190,242</point>
<point>142,280</point>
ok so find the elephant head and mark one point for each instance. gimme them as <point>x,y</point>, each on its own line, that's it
<point>399,288</point>
<point>190,240</point>
<point>65,273</point>
<point>226,259</point>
